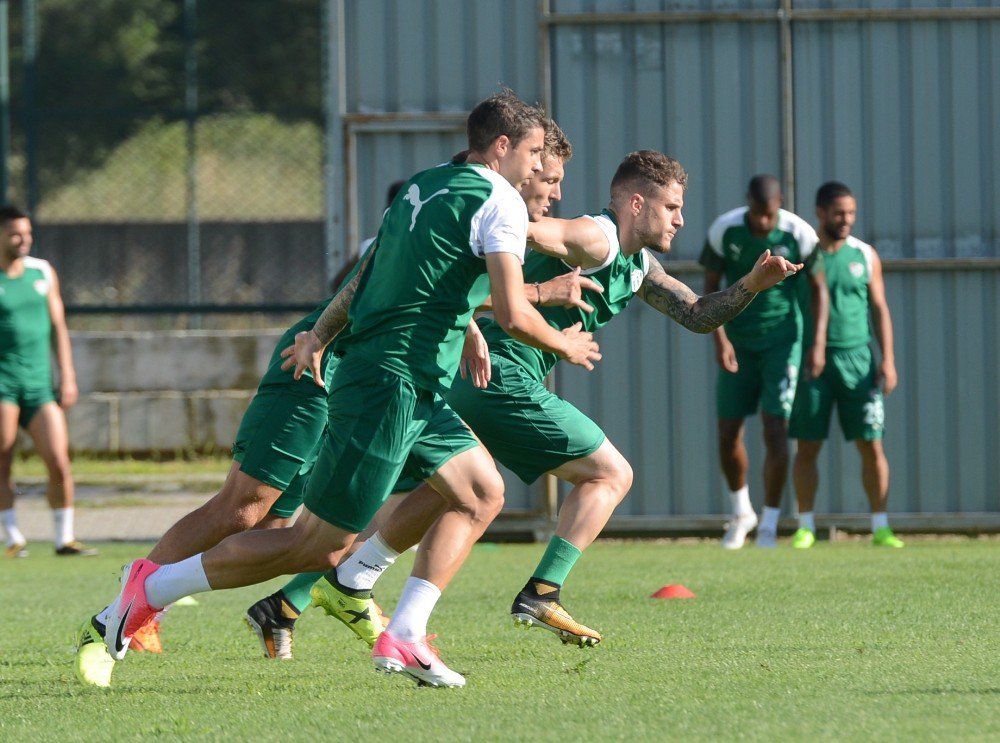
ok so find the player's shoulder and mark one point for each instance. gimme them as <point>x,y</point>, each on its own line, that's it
<point>867,251</point>
<point>733,218</point>
<point>38,264</point>
<point>796,225</point>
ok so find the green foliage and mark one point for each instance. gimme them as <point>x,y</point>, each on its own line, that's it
<point>843,642</point>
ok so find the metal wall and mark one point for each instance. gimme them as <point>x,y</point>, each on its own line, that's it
<point>900,102</point>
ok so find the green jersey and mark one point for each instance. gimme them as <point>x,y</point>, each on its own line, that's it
<point>848,273</point>
<point>619,275</point>
<point>428,272</point>
<point>25,323</point>
<point>731,249</point>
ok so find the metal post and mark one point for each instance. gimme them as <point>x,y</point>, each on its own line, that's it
<point>191,120</point>
<point>787,104</point>
<point>30,40</point>
<point>4,100</point>
<point>334,108</point>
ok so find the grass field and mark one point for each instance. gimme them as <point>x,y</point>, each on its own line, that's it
<point>841,642</point>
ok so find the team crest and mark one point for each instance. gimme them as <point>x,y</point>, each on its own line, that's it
<point>735,250</point>
<point>857,269</point>
<point>636,279</point>
<point>781,250</point>
<point>42,286</point>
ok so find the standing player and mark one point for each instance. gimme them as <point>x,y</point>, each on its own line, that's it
<point>32,323</point>
<point>851,379</point>
<point>455,225</point>
<point>533,431</point>
<point>759,351</point>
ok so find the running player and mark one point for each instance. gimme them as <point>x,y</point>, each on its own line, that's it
<point>448,229</point>
<point>759,351</point>
<point>32,323</point>
<point>533,431</point>
<point>851,380</point>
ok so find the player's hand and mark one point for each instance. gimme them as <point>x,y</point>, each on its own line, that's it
<point>886,377</point>
<point>582,349</point>
<point>475,363</point>
<point>815,361</point>
<point>68,393</point>
<point>307,353</point>
<point>567,291</point>
<point>725,356</point>
<point>770,270</point>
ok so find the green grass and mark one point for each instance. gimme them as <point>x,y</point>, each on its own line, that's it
<point>841,642</point>
<point>97,468</point>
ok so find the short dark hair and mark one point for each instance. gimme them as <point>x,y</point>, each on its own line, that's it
<point>763,188</point>
<point>830,191</point>
<point>556,142</point>
<point>502,114</point>
<point>9,212</point>
<point>643,170</point>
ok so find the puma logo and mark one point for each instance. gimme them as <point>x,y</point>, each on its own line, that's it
<point>413,196</point>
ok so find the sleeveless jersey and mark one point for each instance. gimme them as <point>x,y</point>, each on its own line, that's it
<point>26,324</point>
<point>428,272</point>
<point>731,249</point>
<point>848,272</point>
<point>619,275</point>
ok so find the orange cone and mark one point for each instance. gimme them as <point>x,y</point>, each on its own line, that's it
<point>673,591</point>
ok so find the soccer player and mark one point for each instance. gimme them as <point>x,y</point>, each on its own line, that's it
<point>32,323</point>
<point>453,233</point>
<point>760,350</point>
<point>533,431</point>
<point>851,380</point>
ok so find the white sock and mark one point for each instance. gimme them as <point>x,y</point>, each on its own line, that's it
<point>409,620</point>
<point>741,501</point>
<point>880,520</point>
<point>9,520</point>
<point>363,568</point>
<point>62,521</point>
<point>769,519</point>
<point>807,520</point>
<point>172,582</point>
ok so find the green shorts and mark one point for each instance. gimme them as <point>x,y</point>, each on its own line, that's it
<point>29,399</point>
<point>849,381</point>
<point>529,429</point>
<point>380,427</point>
<point>284,421</point>
<point>766,378</point>
<point>290,500</point>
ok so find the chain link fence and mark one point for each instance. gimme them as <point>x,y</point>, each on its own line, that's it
<point>171,154</point>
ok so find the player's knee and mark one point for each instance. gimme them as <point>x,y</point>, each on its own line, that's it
<point>621,477</point>
<point>488,490</point>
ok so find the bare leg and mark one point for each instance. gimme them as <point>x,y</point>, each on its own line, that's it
<point>805,473</point>
<point>412,518</point>
<point>733,452</point>
<point>874,474</point>
<point>48,431</point>
<point>241,503</point>
<point>8,437</point>
<point>776,458</point>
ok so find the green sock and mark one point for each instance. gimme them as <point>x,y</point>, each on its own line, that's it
<point>559,558</point>
<point>296,590</point>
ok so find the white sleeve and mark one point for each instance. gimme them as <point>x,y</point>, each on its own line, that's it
<point>614,247</point>
<point>501,225</point>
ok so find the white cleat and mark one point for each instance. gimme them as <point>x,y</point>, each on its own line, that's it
<point>767,538</point>
<point>737,530</point>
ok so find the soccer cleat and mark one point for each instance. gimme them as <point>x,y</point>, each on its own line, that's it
<point>274,630</point>
<point>75,548</point>
<point>360,615</point>
<point>93,662</point>
<point>883,537</point>
<point>147,638</point>
<point>767,538</point>
<point>418,660</point>
<point>529,611</point>
<point>803,539</point>
<point>130,610</point>
<point>16,550</point>
<point>737,529</point>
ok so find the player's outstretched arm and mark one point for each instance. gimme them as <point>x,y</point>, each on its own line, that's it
<point>705,314</point>
<point>68,392</point>
<point>522,322</point>
<point>579,242</point>
<point>307,352</point>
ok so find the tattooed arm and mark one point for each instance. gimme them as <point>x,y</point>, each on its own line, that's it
<point>704,314</point>
<point>307,353</point>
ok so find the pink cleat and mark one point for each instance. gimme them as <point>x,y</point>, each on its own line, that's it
<point>418,660</point>
<point>130,610</point>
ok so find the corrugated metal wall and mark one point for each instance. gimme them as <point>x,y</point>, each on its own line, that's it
<point>903,109</point>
